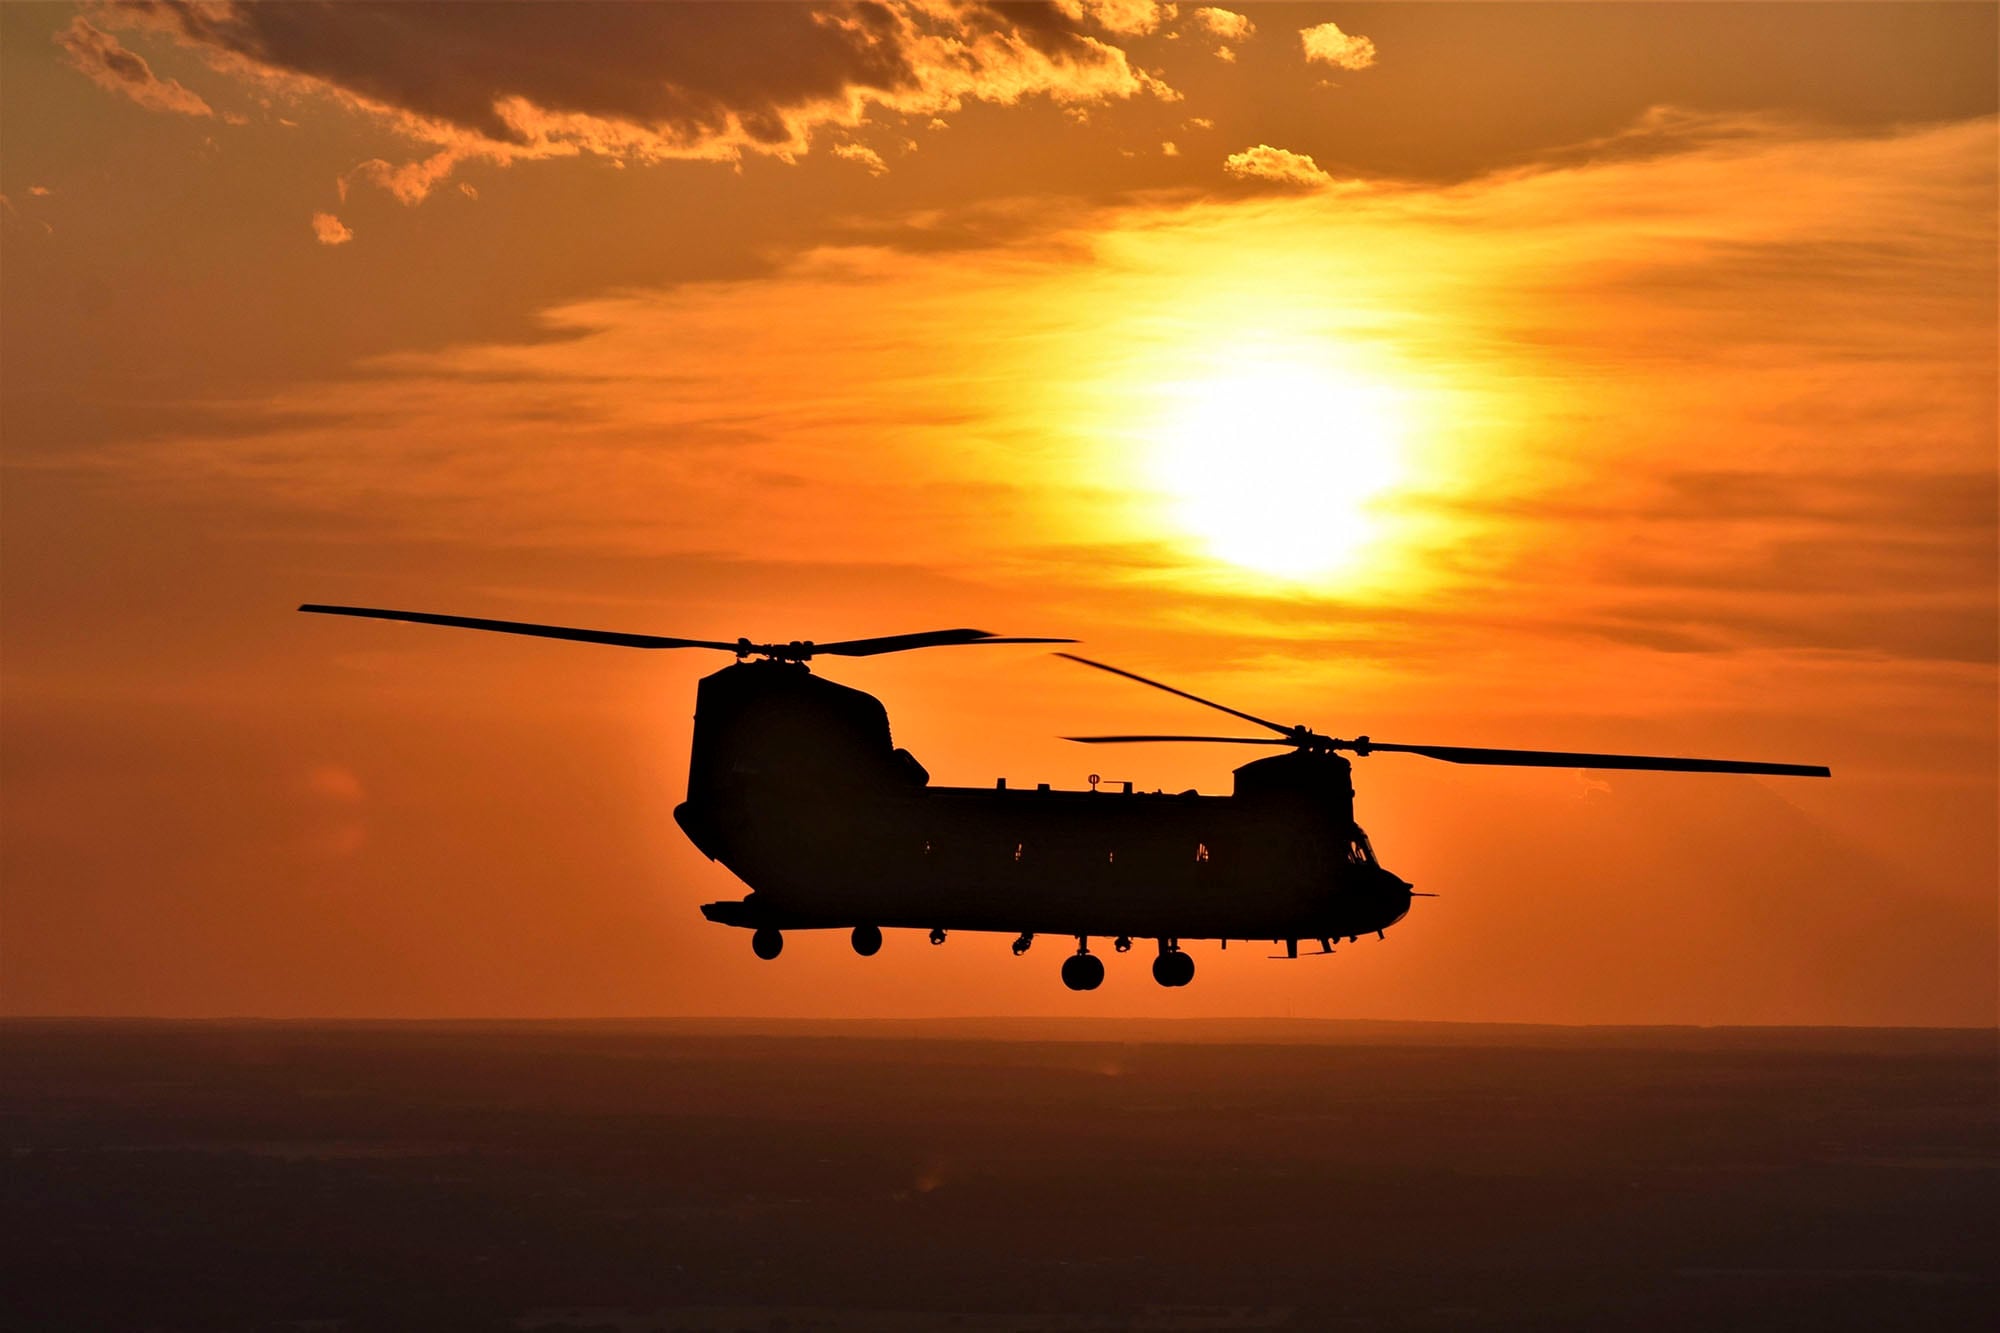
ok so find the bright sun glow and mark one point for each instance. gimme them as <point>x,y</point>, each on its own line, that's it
<point>1275,469</point>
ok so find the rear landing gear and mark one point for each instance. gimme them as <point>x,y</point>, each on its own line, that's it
<point>1083,971</point>
<point>767,943</point>
<point>1172,967</point>
<point>867,940</point>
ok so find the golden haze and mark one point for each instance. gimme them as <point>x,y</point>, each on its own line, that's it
<point>1657,415</point>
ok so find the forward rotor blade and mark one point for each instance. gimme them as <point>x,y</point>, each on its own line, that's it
<point>936,638</point>
<point>1193,698</point>
<point>1459,754</point>
<point>615,638</point>
<point>1216,740</point>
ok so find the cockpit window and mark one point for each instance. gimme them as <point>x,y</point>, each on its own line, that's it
<point>1358,851</point>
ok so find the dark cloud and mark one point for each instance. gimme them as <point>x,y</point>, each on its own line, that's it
<point>684,68</point>
<point>1962,632</point>
<point>654,80</point>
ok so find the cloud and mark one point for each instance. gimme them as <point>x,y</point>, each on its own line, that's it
<point>409,184</point>
<point>1730,400</point>
<point>1127,18</point>
<point>863,154</point>
<point>651,83</point>
<point>330,230</point>
<point>1329,44</point>
<point>1280,166</point>
<point>1226,24</point>
<point>105,62</point>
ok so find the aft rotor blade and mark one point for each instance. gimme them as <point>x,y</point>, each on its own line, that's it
<point>1215,740</point>
<point>615,638</point>
<point>1459,754</point>
<point>936,638</point>
<point>1193,698</point>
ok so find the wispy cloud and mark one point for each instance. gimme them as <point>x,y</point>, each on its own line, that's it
<point>102,59</point>
<point>862,155</point>
<point>1738,397</point>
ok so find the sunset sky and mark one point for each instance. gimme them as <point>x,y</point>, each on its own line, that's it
<point>1608,377</point>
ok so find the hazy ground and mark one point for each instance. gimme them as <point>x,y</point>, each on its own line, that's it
<point>995,1176</point>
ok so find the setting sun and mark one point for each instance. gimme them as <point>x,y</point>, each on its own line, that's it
<point>1276,468</point>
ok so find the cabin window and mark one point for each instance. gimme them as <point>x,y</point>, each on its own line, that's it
<point>1017,850</point>
<point>927,846</point>
<point>1111,858</point>
<point>1201,851</point>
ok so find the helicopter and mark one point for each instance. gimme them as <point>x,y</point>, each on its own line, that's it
<point>796,786</point>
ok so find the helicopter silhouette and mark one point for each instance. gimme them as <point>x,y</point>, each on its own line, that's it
<point>796,786</point>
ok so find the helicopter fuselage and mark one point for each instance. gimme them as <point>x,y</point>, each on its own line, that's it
<point>795,786</point>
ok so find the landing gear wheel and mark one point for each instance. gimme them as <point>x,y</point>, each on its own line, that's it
<point>937,937</point>
<point>867,940</point>
<point>1021,945</point>
<point>1083,971</point>
<point>767,943</point>
<point>1173,969</point>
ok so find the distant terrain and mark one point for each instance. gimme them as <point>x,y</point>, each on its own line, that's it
<point>995,1176</point>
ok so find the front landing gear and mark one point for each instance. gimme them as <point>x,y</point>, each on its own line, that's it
<point>767,943</point>
<point>1083,970</point>
<point>1172,967</point>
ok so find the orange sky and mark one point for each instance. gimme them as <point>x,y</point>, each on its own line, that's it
<point>1567,376</point>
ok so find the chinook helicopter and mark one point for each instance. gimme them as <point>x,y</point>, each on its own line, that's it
<point>795,785</point>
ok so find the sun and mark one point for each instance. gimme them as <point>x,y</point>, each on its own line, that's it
<point>1277,468</point>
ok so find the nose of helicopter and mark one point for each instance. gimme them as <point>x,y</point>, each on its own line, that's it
<point>1395,893</point>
